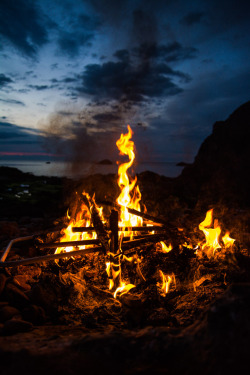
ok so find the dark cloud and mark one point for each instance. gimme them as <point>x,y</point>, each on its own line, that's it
<point>39,87</point>
<point>76,33</point>
<point>106,117</point>
<point>10,131</point>
<point>66,113</point>
<point>122,55</point>
<point>71,42</point>
<point>4,80</point>
<point>12,101</point>
<point>69,79</point>
<point>22,26</point>
<point>135,80</point>
<point>192,18</point>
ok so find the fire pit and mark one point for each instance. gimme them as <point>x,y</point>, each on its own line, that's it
<point>115,277</point>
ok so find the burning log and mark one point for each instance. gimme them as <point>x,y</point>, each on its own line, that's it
<point>55,245</point>
<point>113,222</point>
<point>131,229</point>
<point>100,229</point>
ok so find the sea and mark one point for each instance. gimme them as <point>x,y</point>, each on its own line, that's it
<point>82,169</point>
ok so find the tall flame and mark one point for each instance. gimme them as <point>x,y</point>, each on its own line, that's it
<point>129,197</point>
<point>126,147</point>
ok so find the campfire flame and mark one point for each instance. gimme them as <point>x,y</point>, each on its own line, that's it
<point>130,197</point>
<point>125,200</point>
<point>165,248</point>
<point>228,241</point>
<point>166,281</point>
<point>212,235</point>
<point>82,219</point>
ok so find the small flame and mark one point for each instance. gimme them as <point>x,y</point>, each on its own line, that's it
<point>166,281</point>
<point>165,248</point>
<point>211,234</point>
<point>228,241</point>
<point>124,288</point>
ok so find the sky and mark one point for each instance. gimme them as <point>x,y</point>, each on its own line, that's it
<point>74,73</point>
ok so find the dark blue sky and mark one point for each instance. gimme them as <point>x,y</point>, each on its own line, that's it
<point>74,73</point>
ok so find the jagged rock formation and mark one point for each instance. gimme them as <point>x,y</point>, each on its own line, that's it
<point>220,172</point>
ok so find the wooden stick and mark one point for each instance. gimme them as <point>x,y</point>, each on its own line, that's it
<point>45,258</point>
<point>132,229</point>
<point>83,229</point>
<point>53,245</point>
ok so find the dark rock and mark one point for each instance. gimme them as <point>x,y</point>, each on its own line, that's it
<point>182,164</point>
<point>9,229</point>
<point>7,312</point>
<point>105,162</point>
<point>43,295</point>
<point>14,326</point>
<point>160,317</point>
<point>15,296</point>
<point>34,314</point>
<point>24,220</point>
<point>21,281</point>
<point>220,169</point>
<point>3,279</point>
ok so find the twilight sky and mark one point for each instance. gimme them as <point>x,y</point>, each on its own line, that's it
<point>74,73</point>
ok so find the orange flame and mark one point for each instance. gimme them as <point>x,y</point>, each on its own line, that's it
<point>124,288</point>
<point>228,241</point>
<point>211,234</point>
<point>129,197</point>
<point>165,248</point>
<point>126,147</point>
<point>82,219</point>
<point>166,281</point>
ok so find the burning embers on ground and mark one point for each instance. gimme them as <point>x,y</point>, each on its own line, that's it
<point>118,259</point>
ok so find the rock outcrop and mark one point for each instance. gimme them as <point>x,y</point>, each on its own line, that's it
<point>220,172</point>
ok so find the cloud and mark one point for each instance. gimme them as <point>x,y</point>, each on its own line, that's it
<point>71,42</point>
<point>192,18</point>
<point>22,26</point>
<point>9,131</point>
<point>12,101</point>
<point>136,77</point>
<point>39,87</point>
<point>4,80</point>
<point>76,32</point>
